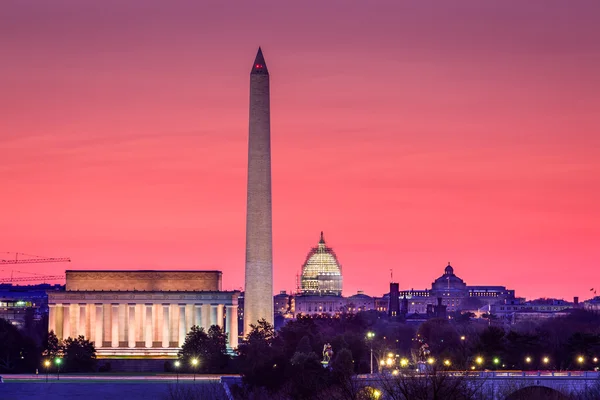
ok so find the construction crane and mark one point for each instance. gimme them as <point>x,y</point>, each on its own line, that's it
<point>30,259</point>
<point>22,258</point>
<point>42,278</point>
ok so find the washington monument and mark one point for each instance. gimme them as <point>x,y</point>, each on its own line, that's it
<point>258,296</point>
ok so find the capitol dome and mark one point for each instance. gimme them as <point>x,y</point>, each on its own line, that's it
<point>321,272</point>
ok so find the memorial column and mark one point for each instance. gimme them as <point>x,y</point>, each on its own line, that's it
<point>52,318</point>
<point>232,326</point>
<point>139,323</point>
<point>59,321</point>
<point>131,324</point>
<point>213,314</point>
<point>166,326</point>
<point>114,314</point>
<point>66,321</point>
<point>206,316</point>
<point>82,321</point>
<point>198,315</point>
<point>220,315</point>
<point>99,326</point>
<point>182,331</point>
<point>148,325</point>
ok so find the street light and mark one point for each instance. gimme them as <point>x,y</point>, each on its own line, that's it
<point>580,359</point>
<point>527,360</point>
<point>595,359</point>
<point>463,337</point>
<point>545,360</point>
<point>447,363</point>
<point>47,365</point>
<point>389,362</point>
<point>404,362</point>
<point>370,336</point>
<point>430,360</point>
<point>177,364</point>
<point>496,361</point>
<point>479,360</point>
<point>194,364</point>
<point>58,361</point>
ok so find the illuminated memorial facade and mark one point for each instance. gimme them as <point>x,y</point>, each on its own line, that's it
<point>141,313</point>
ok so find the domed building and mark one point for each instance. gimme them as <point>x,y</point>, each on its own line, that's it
<point>449,283</point>
<point>321,272</point>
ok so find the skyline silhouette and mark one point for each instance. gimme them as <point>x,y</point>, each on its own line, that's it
<point>412,135</point>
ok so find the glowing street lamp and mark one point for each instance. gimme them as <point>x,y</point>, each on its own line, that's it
<point>463,338</point>
<point>382,363</point>
<point>47,364</point>
<point>195,365</point>
<point>404,362</point>
<point>370,337</point>
<point>479,360</point>
<point>528,360</point>
<point>595,359</point>
<point>546,360</point>
<point>389,362</point>
<point>376,394</point>
<point>177,364</point>
<point>447,363</point>
<point>580,359</point>
<point>430,360</point>
<point>496,361</point>
<point>58,361</point>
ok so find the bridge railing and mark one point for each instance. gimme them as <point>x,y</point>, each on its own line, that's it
<point>526,374</point>
<point>511,374</point>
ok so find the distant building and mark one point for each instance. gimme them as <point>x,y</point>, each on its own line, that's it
<point>394,300</point>
<point>456,295</point>
<point>517,310</point>
<point>282,303</point>
<point>321,272</point>
<point>592,304</point>
<point>318,294</point>
<point>315,305</point>
<point>17,302</point>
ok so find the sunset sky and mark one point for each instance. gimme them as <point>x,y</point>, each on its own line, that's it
<point>412,133</point>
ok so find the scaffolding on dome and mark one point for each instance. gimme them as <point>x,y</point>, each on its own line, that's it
<point>321,272</point>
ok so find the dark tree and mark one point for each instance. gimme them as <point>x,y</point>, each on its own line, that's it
<point>18,353</point>
<point>53,348</point>
<point>491,345</point>
<point>304,346</point>
<point>442,338</point>
<point>342,365</point>
<point>261,358</point>
<point>306,376</point>
<point>262,331</point>
<point>79,355</point>
<point>210,349</point>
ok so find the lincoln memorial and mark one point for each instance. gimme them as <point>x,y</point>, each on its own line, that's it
<point>141,313</point>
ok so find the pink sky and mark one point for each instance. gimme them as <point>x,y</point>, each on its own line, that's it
<point>412,133</point>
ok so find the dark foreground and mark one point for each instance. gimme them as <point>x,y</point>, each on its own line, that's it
<point>114,387</point>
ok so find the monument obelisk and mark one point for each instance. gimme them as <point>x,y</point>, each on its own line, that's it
<point>258,295</point>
